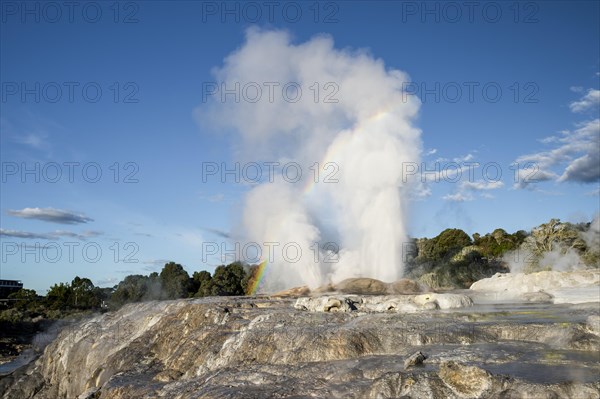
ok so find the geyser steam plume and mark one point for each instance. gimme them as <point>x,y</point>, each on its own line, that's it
<point>355,121</point>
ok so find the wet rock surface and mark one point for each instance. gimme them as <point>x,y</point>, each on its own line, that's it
<point>261,347</point>
<point>416,359</point>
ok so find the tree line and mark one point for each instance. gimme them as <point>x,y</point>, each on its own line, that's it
<point>173,282</point>
<point>452,259</point>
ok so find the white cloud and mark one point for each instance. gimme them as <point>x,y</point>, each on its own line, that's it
<point>80,236</point>
<point>36,141</point>
<point>549,140</point>
<point>442,170</point>
<point>154,265</point>
<point>585,169</point>
<point>590,101</point>
<point>34,135</point>
<point>110,281</point>
<point>420,190</point>
<point>458,197</point>
<point>482,185</point>
<point>464,158</point>
<point>526,177</point>
<point>576,89</point>
<point>217,197</point>
<point>450,172</point>
<point>50,215</point>
<point>467,188</point>
<point>594,193</point>
<point>24,234</point>
<point>49,236</point>
<point>577,151</point>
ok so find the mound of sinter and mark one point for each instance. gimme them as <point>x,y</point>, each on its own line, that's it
<point>360,286</point>
<point>574,287</point>
<point>377,303</point>
<point>371,295</point>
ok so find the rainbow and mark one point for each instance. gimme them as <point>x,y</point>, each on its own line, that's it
<point>258,277</point>
<point>331,155</point>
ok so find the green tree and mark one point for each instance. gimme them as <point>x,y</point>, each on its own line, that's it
<point>23,299</point>
<point>227,280</point>
<point>498,243</point>
<point>133,288</point>
<point>84,293</point>
<point>449,242</point>
<point>549,237</point>
<point>103,294</point>
<point>203,283</point>
<point>175,281</point>
<point>553,235</point>
<point>59,296</point>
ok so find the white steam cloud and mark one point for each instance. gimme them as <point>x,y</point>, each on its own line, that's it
<point>592,235</point>
<point>559,258</point>
<point>358,128</point>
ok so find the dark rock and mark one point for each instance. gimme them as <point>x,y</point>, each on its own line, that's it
<point>416,359</point>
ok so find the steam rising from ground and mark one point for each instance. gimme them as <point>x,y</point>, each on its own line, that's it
<point>559,258</point>
<point>366,133</point>
<point>592,235</point>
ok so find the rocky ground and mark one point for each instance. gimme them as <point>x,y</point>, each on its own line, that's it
<point>16,338</point>
<point>331,344</point>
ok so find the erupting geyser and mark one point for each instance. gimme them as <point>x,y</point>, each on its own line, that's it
<point>344,118</point>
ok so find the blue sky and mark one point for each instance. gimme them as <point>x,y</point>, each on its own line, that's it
<point>150,203</point>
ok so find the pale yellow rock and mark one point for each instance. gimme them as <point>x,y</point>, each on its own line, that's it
<point>362,286</point>
<point>465,381</point>
<point>292,292</point>
<point>404,286</point>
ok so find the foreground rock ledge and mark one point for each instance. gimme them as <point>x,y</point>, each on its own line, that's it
<point>265,348</point>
